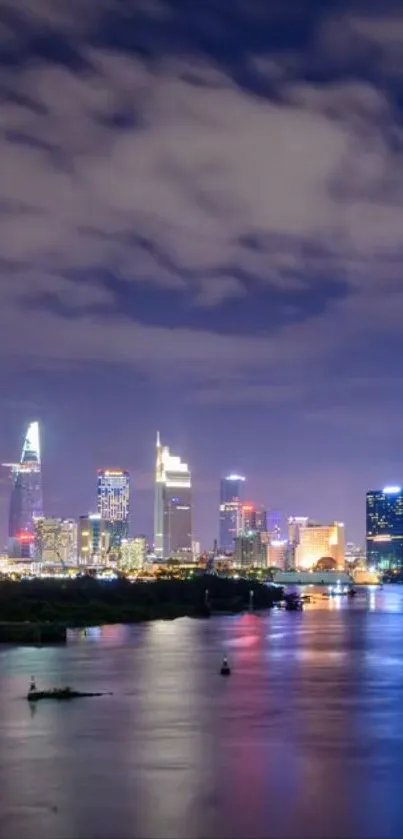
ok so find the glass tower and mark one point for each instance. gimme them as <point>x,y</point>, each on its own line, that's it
<point>26,502</point>
<point>113,493</point>
<point>385,528</point>
<point>231,495</point>
<point>173,504</point>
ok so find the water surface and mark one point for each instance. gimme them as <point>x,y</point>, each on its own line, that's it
<point>305,739</point>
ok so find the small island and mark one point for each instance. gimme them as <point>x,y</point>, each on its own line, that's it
<point>41,610</point>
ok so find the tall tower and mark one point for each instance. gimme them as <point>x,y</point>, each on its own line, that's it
<point>26,502</point>
<point>159,502</point>
<point>385,528</point>
<point>173,504</point>
<point>113,492</point>
<point>231,495</point>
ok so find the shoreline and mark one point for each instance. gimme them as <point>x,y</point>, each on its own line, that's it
<point>42,611</point>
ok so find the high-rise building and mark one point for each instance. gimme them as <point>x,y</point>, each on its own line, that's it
<point>55,541</point>
<point>385,528</point>
<point>93,539</point>
<point>294,525</point>
<point>249,551</point>
<point>133,553</point>
<point>113,492</point>
<point>231,497</point>
<point>47,539</point>
<point>26,501</point>
<point>253,519</point>
<point>274,524</point>
<point>277,554</point>
<point>320,542</point>
<point>173,504</point>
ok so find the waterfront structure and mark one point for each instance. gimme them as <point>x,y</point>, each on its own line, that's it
<point>249,551</point>
<point>133,553</point>
<point>113,495</point>
<point>231,497</point>
<point>93,540</point>
<point>26,502</point>
<point>173,504</point>
<point>385,529</point>
<point>320,542</point>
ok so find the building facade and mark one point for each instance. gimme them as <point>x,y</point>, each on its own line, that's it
<point>231,500</point>
<point>133,553</point>
<point>93,540</point>
<point>249,551</point>
<point>278,554</point>
<point>319,542</point>
<point>385,529</point>
<point>113,497</point>
<point>26,502</point>
<point>173,505</point>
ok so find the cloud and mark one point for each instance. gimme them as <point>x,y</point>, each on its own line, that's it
<point>175,175</point>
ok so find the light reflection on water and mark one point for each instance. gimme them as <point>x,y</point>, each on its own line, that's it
<point>304,740</point>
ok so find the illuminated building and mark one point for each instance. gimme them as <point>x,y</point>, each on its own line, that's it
<point>319,542</point>
<point>26,501</point>
<point>274,524</point>
<point>261,520</point>
<point>113,493</point>
<point>253,518</point>
<point>231,496</point>
<point>249,551</point>
<point>277,554</point>
<point>93,539</point>
<point>385,528</point>
<point>55,541</point>
<point>133,553</point>
<point>294,525</point>
<point>173,504</point>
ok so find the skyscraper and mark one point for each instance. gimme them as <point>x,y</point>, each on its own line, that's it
<point>173,504</point>
<point>113,494</point>
<point>385,528</point>
<point>93,539</point>
<point>231,495</point>
<point>253,519</point>
<point>26,501</point>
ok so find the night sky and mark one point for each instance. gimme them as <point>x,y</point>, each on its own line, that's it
<point>201,231</point>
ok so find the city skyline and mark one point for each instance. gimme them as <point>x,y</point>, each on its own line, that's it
<point>215,264</point>
<point>272,514</point>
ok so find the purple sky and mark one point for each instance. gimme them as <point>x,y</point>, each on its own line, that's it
<point>201,216</point>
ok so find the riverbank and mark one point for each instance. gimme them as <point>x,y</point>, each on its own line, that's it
<point>88,602</point>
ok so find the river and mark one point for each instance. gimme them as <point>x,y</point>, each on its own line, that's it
<point>304,740</point>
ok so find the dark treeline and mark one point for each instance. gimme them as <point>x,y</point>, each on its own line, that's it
<point>84,601</point>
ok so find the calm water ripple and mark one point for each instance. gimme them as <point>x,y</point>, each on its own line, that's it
<point>304,740</point>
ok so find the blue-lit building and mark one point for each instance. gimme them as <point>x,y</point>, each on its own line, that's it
<point>113,496</point>
<point>26,502</point>
<point>231,499</point>
<point>385,528</point>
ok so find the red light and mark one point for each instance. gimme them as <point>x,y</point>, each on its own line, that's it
<point>25,537</point>
<point>248,508</point>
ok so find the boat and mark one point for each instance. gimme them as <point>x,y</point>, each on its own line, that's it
<point>293,603</point>
<point>35,695</point>
<point>225,668</point>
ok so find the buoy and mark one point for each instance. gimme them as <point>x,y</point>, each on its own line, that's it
<point>225,668</point>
